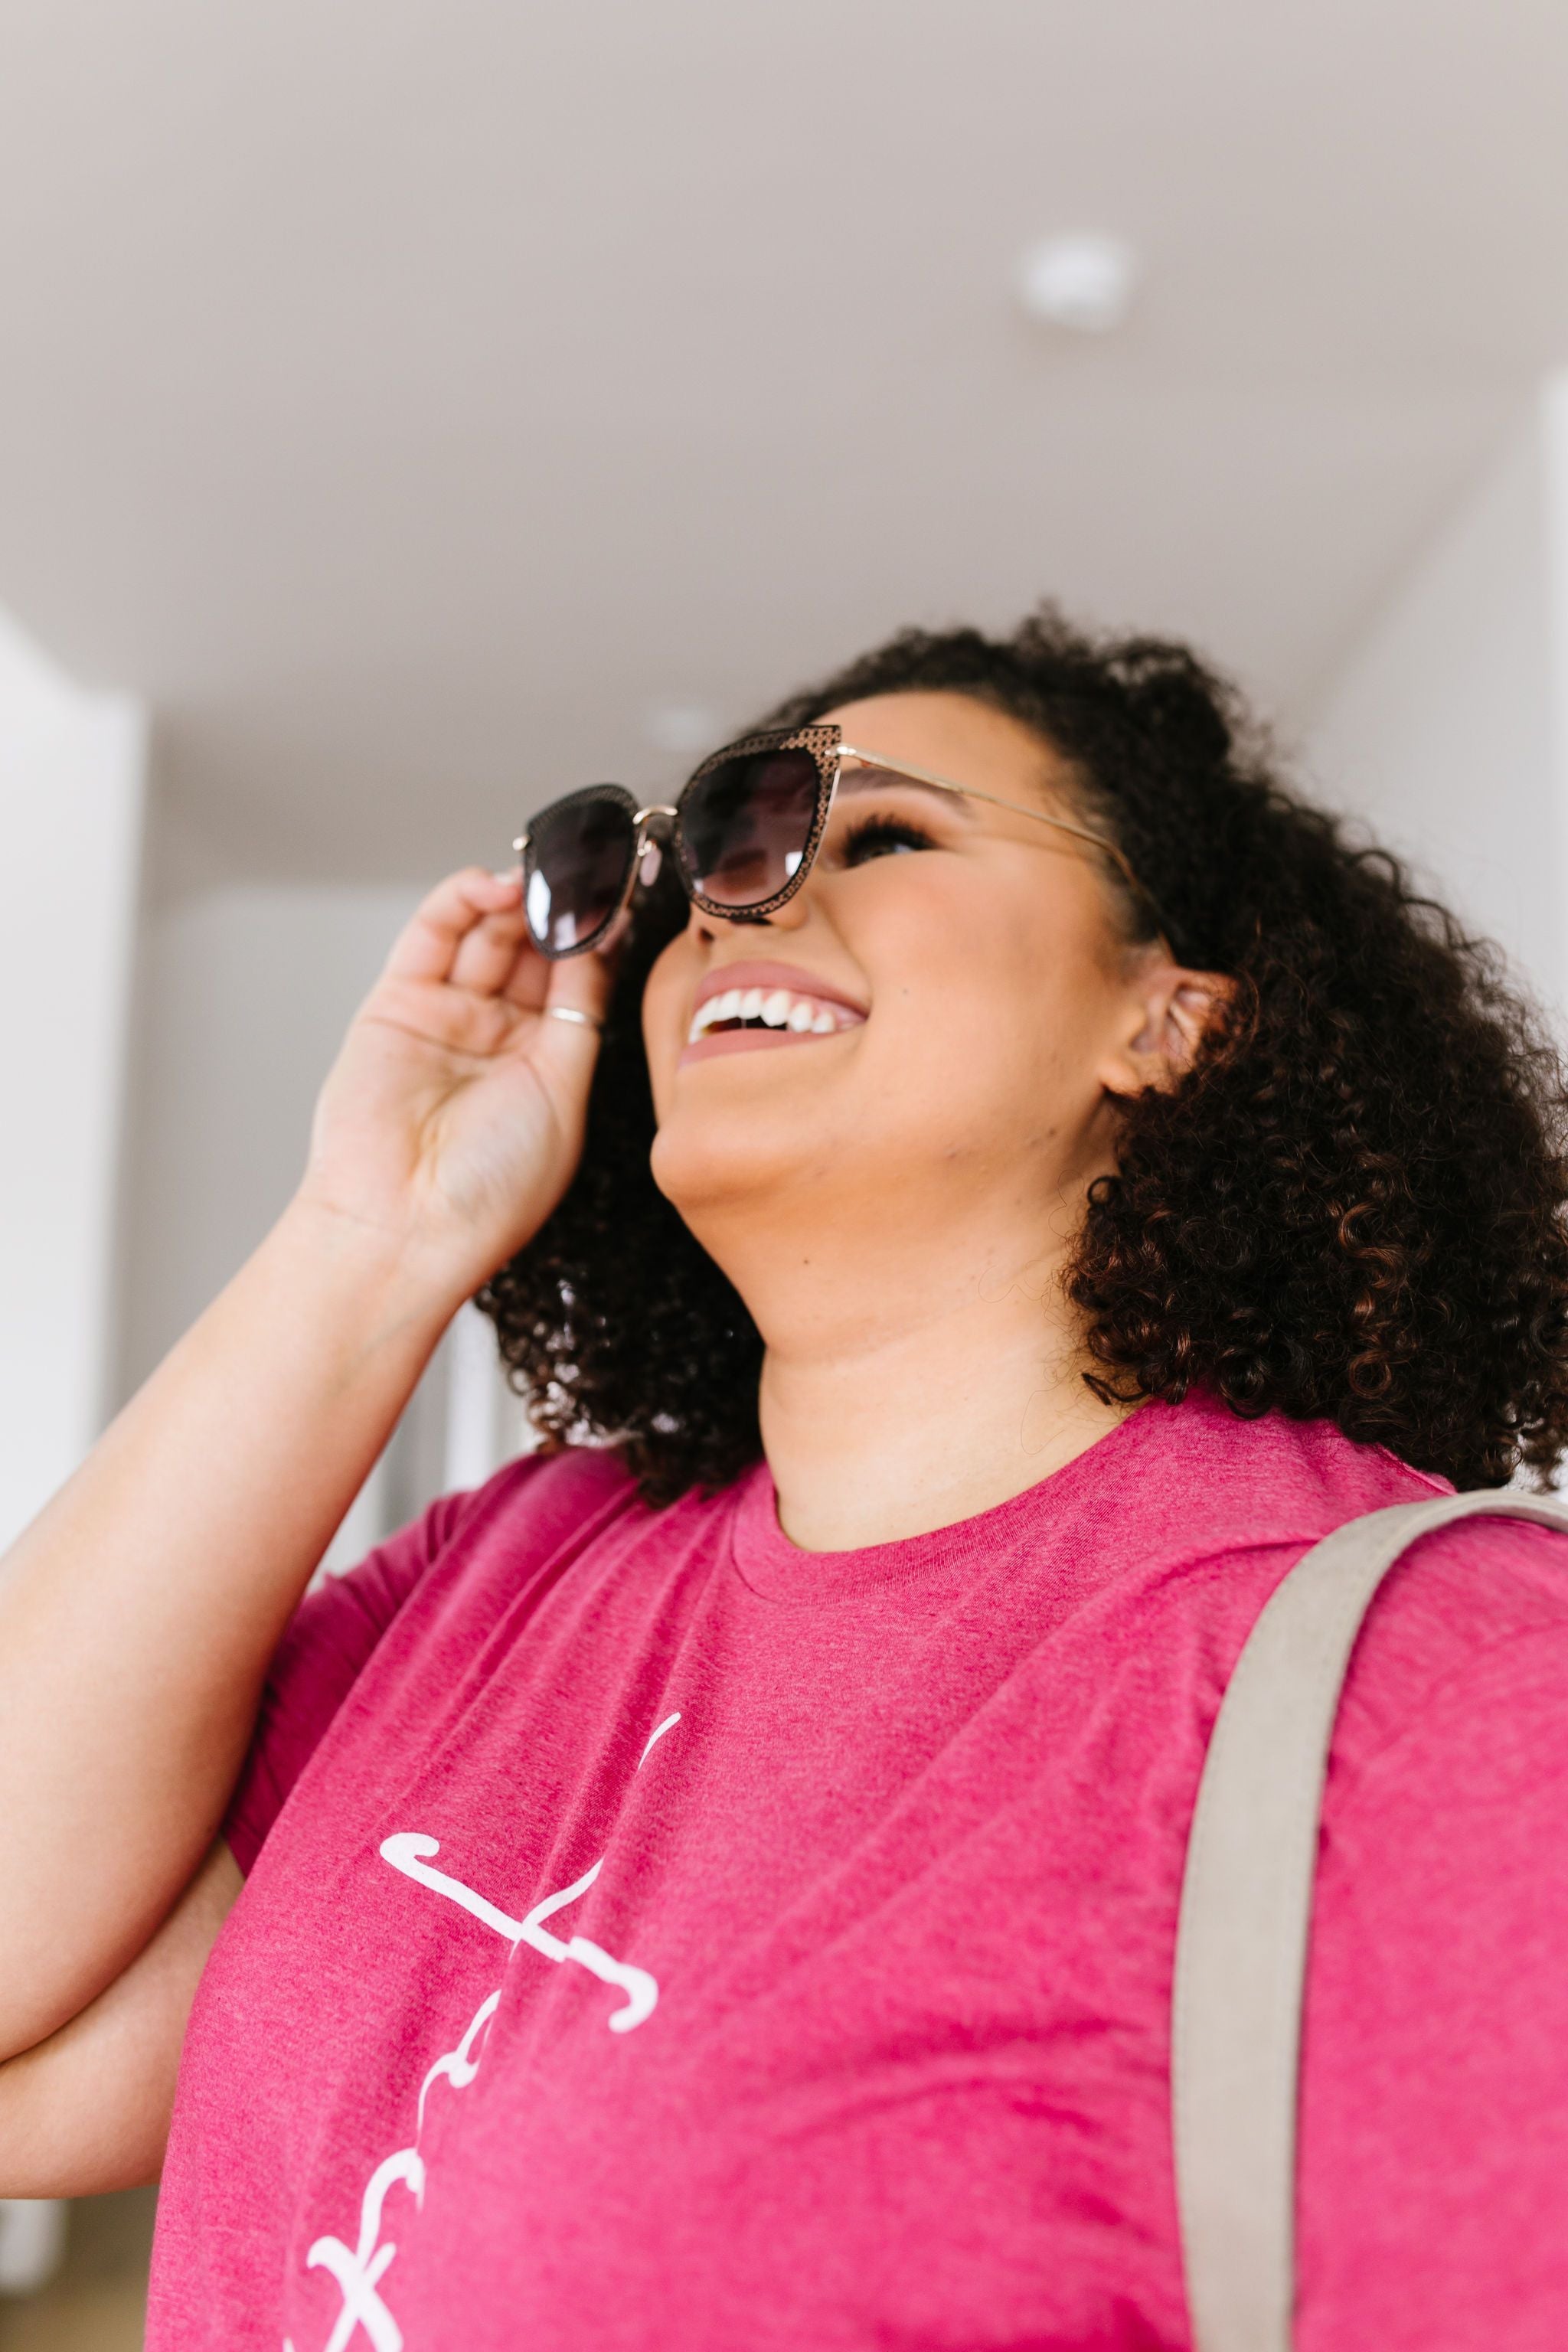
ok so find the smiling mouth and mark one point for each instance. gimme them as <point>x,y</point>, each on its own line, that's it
<point>742,1018</point>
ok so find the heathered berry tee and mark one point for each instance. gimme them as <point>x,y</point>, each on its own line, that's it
<point>658,1939</point>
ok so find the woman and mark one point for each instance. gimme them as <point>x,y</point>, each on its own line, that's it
<point>716,1884</point>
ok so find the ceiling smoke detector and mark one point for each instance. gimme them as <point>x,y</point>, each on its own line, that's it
<point>1085,282</point>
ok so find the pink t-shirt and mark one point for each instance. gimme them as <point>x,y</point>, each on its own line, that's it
<point>658,1937</point>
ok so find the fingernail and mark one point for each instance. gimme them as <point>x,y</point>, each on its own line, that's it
<point>512,873</point>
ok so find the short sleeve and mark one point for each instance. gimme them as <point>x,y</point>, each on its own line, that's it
<point>324,1649</point>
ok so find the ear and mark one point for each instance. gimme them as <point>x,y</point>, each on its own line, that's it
<point>1170,1011</point>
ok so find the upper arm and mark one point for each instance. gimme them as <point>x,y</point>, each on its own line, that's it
<point>88,2108</point>
<point>1435,2078</point>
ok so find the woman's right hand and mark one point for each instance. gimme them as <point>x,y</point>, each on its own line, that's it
<point>453,1119</point>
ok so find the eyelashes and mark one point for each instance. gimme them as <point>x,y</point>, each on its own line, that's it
<point>876,836</point>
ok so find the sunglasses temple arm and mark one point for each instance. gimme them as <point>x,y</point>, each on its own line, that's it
<point>1061,825</point>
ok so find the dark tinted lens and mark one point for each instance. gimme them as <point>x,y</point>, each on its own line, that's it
<point>744,825</point>
<point>579,854</point>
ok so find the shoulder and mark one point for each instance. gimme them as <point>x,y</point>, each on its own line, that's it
<point>1467,1641</point>
<point>430,1594</point>
<point>1199,1481</point>
<point>529,1520</point>
<point>1229,1482</point>
<point>540,1499</point>
<point>491,1538</point>
<point>1460,1667</point>
<point>1209,1512</point>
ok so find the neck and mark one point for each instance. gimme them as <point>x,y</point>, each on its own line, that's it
<point>893,1406</point>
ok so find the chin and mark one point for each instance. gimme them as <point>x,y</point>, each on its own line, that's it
<point>707,1159</point>
<point>750,1121</point>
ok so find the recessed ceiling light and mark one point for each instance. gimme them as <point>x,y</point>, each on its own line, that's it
<point>1084,281</point>
<point>683,726</point>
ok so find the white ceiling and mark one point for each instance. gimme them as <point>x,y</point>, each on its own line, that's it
<point>409,399</point>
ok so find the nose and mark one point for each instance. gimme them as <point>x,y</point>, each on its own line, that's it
<point>790,917</point>
<point>792,914</point>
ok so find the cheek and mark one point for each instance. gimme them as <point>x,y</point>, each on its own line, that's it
<point>967,955</point>
<point>668,988</point>
<point>995,993</point>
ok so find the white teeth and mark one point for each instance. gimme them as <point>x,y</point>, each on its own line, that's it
<point>779,1008</point>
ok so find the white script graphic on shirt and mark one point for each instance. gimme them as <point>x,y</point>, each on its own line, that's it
<point>407,1854</point>
<point>359,2269</point>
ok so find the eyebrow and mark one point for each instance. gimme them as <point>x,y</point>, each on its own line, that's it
<point>867,769</point>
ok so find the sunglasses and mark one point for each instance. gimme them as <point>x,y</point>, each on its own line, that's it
<point>745,833</point>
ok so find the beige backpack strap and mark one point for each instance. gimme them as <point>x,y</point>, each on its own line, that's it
<point>1247,1904</point>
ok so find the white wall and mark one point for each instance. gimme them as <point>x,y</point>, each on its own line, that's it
<point>246,991</point>
<point>71,777</point>
<point>1449,727</point>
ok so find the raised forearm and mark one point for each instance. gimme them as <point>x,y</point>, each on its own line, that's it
<point>138,1613</point>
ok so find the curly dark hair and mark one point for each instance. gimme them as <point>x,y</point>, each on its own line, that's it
<point>1351,1207</point>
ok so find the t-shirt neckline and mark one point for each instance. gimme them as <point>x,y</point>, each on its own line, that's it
<point>777,1571</point>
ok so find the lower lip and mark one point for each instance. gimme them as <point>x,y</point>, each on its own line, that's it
<point>750,1041</point>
